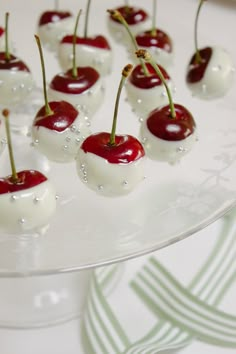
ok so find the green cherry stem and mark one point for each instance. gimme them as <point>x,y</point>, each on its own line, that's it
<point>154,11</point>
<point>56,5</point>
<point>116,15</point>
<point>141,53</point>
<point>14,176</point>
<point>198,57</point>
<point>125,73</point>
<point>7,54</point>
<point>47,107</point>
<point>87,18</point>
<point>74,66</point>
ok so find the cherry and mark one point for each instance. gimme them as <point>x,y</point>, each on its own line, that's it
<point>27,198</point>
<point>108,163</point>
<point>142,81</point>
<point>58,127</point>
<point>210,69</point>
<point>94,51</point>
<point>80,86</point>
<point>53,16</point>
<point>168,132</point>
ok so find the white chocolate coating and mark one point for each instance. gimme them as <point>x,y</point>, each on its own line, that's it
<point>51,33</point>
<point>163,150</point>
<point>27,210</point>
<point>86,55</point>
<point>160,55</point>
<point>3,141</point>
<point>143,101</point>
<point>61,146</point>
<point>120,34</point>
<point>109,179</point>
<point>88,102</point>
<point>218,77</point>
<point>15,86</point>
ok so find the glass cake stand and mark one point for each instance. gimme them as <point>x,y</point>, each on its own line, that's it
<point>49,273</point>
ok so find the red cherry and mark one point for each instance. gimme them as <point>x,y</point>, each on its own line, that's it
<point>65,82</point>
<point>132,15</point>
<point>63,116</point>
<point>53,16</point>
<point>161,124</point>
<point>126,149</point>
<point>1,31</point>
<point>96,41</point>
<point>14,63</point>
<point>196,69</point>
<point>27,179</point>
<point>140,80</point>
<point>159,40</point>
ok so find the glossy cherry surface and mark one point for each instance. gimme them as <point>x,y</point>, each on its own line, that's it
<point>63,116</point>
<point>197,69</point>
<point>27,179</point>
<point>53,16</point>
<point>14,63</point>
<point>96,41</point>
<point>126,149</point>
<point>65,82</point>
<point>132,15</point>
<point>162,125</point>
<point>1,31</point>
<point>159,40</point>
<point>139,79</point>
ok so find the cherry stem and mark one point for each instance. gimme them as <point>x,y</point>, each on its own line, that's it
<point>14,178</point>
<point>198,57</point>
<point>148,58</point>
<point>7,54</point>
<point>127,3</point>
<point>116,15</point>
<point>87,18</point>
<point>47,107</point>
<point>125,73</point>
<point>56,5</point>
<point>74,66</point>
<point>154,11</point>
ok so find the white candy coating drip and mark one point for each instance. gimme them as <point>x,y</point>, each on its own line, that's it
<point>51,33</point>
<point>27,210</point>
<point>107,178</point>
<point>98,58</point>
<point>15,86</point>
<point>218,77</point>
<point>143,101</point>
<point>61,146</point>
<point>164,150</point>
<point>88,102</point>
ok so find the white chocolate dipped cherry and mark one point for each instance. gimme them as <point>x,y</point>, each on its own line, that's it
<point>15,76</point>
<point>157,42</point>
<point>83,87</point>
<point>94,51</point>
<point>168,132</point>
<point>135,17</point>
<point>27,198</point>
<point>2,39</point>
<point>53,25</point>
<point>58,128</point>
<point>111,164</point>
<point>145,90</point>
<point>210,70</point>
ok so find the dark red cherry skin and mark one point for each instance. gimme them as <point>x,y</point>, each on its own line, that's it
<point>1,31</point>
<point>66,83</point>
<point>126,149</point>
<point>64,115</point>
<point>132,15</point>
<point>197,70</point>
<point>53,16</point>
<point>159,40</point>
<point>140,80</point>
<point>13,64</point>
<point>96,41</point>
<point>162,125</point>
<point>27,179</point>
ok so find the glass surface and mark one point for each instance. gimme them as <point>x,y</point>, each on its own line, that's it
<point>174,201</point>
